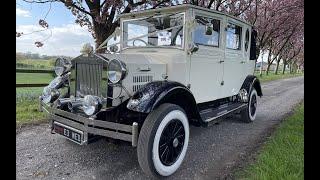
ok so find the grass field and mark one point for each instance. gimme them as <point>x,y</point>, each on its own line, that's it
<point>35,64</point>
<point>27,112</point>
<point>272,76</point>
<point>27,98</point>
<point>283,155</point>
<point>29,78</point>
<point>27,106</point>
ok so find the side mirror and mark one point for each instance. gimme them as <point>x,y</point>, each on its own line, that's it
<point>193,47</point>
<point>114,48</point>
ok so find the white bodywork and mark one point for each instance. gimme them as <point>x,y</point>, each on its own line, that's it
<point>211,72</point>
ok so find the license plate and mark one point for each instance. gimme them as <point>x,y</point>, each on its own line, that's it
<point>69,132</point>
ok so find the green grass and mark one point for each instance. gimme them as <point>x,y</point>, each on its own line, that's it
<point>283,155</point>
<point>27,98</point>
<point>27,106</point>
<point>35,64</point>
<point>27,112</point>
<point>33,78</point>
<point>272,76</point>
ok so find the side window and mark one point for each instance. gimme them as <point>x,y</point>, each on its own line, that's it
<point>207,31</point>
<point>246,42</point>
<point>233,39</point>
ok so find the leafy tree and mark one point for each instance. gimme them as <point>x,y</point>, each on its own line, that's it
<point>99,16</point>
<point>279,23</point>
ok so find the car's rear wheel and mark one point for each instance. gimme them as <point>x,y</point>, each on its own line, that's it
<point>249,113</point>
<point>163,140</point>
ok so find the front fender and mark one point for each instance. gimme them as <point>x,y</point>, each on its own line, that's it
<point>155,93</point>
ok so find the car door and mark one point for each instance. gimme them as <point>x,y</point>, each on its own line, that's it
<point>234,62</point>
<point>206,67</point>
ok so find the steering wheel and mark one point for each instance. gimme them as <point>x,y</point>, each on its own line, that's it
<point>140,41</point>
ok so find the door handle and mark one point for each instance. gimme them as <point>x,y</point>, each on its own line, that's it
<point>242,62</point>
<point>221,61</point>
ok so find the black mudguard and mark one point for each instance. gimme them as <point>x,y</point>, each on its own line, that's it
<point>252,81</point>
<point>155,93</point>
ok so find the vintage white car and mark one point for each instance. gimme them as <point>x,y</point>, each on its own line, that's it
<point>162,70</point>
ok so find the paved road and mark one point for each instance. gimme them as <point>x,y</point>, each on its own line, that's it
<point>212,151</point>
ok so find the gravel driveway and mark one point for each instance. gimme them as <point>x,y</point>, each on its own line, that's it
<point>212,151</point>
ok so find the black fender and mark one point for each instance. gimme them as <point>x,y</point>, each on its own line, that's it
<point>155,93</point>
<point>252,81</point>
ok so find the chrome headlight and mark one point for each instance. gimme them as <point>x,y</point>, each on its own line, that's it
<point>117,71</point>
<point>49,94</point>
<point>91,105</point>
<point>62,66</point>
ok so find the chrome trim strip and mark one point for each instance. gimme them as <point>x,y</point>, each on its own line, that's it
<point>76,125</point>
<point>134,134</point>
<point>67,122</point>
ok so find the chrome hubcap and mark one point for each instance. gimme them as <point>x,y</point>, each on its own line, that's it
<point>175,142</point>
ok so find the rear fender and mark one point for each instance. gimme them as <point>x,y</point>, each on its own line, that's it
<point>252,81</point>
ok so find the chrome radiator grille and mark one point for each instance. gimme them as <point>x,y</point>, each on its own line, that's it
<point>88,78</point>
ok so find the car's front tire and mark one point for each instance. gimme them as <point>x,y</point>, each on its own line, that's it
<point>249,113</point>
<point>163,140</point>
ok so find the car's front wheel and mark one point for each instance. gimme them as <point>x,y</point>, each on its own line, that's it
<point>163,140</point>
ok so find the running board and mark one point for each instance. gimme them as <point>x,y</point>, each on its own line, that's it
<point>211,114</point>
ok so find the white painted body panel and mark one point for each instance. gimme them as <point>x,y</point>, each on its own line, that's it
<point>237,65</point>
<point>208,77</point>
<point>206,73</point>
<point>161,62</point>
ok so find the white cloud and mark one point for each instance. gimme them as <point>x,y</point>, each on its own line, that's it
<point>63,40</point>
<point>22,13</point>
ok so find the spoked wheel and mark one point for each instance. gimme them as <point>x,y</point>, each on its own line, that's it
<point>253,106</point>
<point>250,112</point>
<point>163,140</point>
<point>171,142</point>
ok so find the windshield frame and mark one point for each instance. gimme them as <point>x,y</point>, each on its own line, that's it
<point>182,47</point>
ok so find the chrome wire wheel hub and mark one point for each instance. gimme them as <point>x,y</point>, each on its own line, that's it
<point>175,142</point>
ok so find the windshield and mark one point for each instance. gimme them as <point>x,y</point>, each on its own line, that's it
<point>165,30</point>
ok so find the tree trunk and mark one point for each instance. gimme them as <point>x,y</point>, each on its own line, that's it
<point>102,32</point>
<point>284,67</point>
<point>277,67</point>
<point>269,62</point>
<point>101,36</point>
<point>267,70</point>
<point>290,68</point>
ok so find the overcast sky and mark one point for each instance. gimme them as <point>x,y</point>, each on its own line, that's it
<point>63,37</point>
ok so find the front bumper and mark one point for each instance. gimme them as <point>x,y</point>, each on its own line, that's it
<point>91,126</point>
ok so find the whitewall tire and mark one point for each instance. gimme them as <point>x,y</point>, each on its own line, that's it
<point>250,112</point>
<point>163,141</point>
